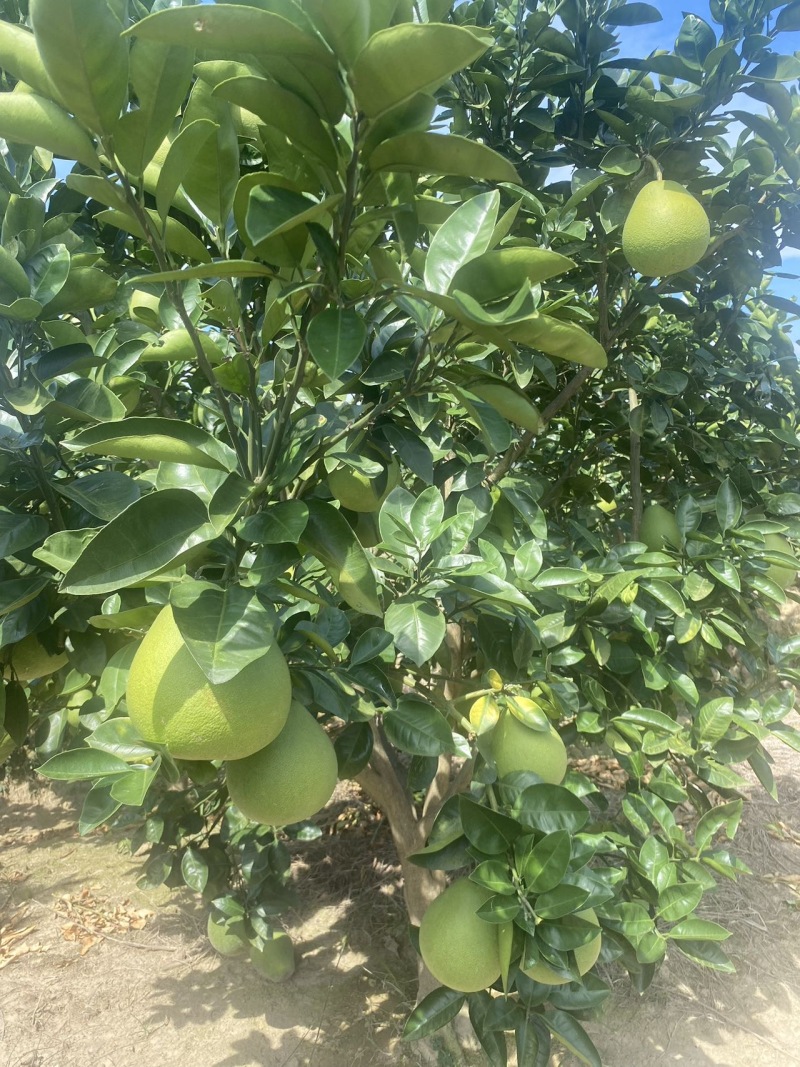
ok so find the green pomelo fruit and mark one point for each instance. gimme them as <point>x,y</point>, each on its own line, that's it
<point>275,960</point>
<point>361,492</point>
<point>585,957</point>
<point>659,528</point>
<point>782,576</point>
<point>30,659</point>
<point>290,779</point>
<point>224,940</point>
<point>460,949</point>
<point>517,747</point>
<point>171,702</point>
<point>666,231</point>
<point>509,403</point>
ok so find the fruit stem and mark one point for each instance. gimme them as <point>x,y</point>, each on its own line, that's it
<point>655,165</point>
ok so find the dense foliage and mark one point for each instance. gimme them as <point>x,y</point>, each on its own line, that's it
<point>327,339</point>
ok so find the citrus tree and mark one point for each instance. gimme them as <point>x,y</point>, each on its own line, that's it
<point>395,392</point>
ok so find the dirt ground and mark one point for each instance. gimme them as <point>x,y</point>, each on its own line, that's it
<point>97,973</point>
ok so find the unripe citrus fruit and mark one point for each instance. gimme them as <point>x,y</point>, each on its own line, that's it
<point>666,230</point>
<point>659,528</point>
<point>224,939</point>
<point>290,779</point>
<point>782,576</point>
<point>517,747</point>
<point>275,959</point>
<point>171,702</point>
<point>459,948</point>
<point>30,659</point>
<point>358,491</point>
<point>585,957</point>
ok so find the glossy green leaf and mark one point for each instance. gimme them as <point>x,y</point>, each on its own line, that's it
<point>502,271</point>
<point>418,728</point>
<point>273,210</point>
<point>192,139</point>
<point>20,56</point>
<point>565,340</point>
<point>572,1035</point>
<point>88,69</point>
<point>403,60</point>
<point>549,808</point>
<point>158,440</point>
<point>103,495</point>
<point>344,25</point>
<point>436,1010</point>
<point>329,537</point>
<point>353,747</point>
<point>210,182</point>
<point>99,806</point>
<point>19,531</point>
<point>678,901</point>
<point>178,346</point>
<point>418,627</point>
<point>728,505</point>
<point>335,339</point>
<point>433,153</point>
<point>225,629</point>
<point>160,75</point>
<point>467,233</point>
<point>544,866</point>
<point>145,538</point>
<point>119,738</point>
<point>707,954</point>
<point>178,238</point>
<point>26,118</point>
<point>634,14</point>
<point>698,930</point>
<point>78,764</point>
<point>217,268</point>
<point>489,831</point>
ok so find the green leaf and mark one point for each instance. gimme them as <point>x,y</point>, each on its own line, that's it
<point>98,807</point>
<point>707,954</point>
<point>620,160</point>
<point>698,930</point>
<point>353,747</point>
<point>20,531</point>
<point>20,591</point>
<point>725,572</point>
<point>565,340</point>
<point>191,140</point>
<point>634,14</point>
<point>434,153</point>
<point>571,1034</point>
<point>728,505</point>
<point>544,867</point>
<point>177,238</point>
<point>272,211</point>
<point>398,62</point>
<point>330,538</point>
<point>548,808</point>
<point>89,69</point>
<point>20,57</point>
<point>678,901</point>
<point>224,629</point>
<point>211,181</point>
<point>103,495</point>
<point>500,272</point>
<point>336,339</point>
<point>789,18</point>
<point>494,875</point>
<point>78,764</point>
<point>418,627</point>
<point>26,118</point>
<point>432,1013</point>
<point>145,538</point>
<point>132,787</point>
<point>418,728</point>
<point>565,899</point>
<point>714,718</point>
<point>177,346</point>
<point>285,111</point>
<point>695,40</point>
<point>119,738</point>
<point>114,679</point>
<point>217,268</point>
<point>489,831</point>
<point>160,75</point>
<point>157,440</point>
<point>466,234</point>
<point>279,523</point>
<point>194,870</point>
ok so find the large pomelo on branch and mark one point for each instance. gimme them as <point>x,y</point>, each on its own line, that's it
<point>517,747</point>
<point>659,528</point>
<point>585,957</point>
<point>290,779</point>
<point>30,659</point>
<point>362,492</point>
<point>460,949</point>
<point>666,231</point>
<point>171,702</point>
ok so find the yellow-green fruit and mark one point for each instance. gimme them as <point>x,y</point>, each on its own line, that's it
<point>224,940</point>
<point>30,659</point>
<point>659,528</point>
<point>666,230</point>
<point>460,949</point>
<point>782,576</point>
<point>517,747</point>
<point>290,779</point>
<point>275,960</point>
<point>171,702</point>
<point>509,403</point>
<point>357,491</point>
<point>585,957</point>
